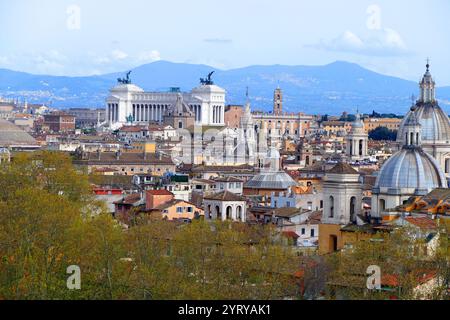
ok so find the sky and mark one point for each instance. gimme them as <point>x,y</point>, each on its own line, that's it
<point>85,37</point>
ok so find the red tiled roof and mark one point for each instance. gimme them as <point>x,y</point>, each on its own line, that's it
<point>291,234</point>
<point>131,129</point>
<point>162,192</point>
<point>421,276</point>
<point>131,199</point>
<point>422,222</point>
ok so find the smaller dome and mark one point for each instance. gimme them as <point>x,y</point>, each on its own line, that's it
<point>271,180</point>
<point>411,168</point>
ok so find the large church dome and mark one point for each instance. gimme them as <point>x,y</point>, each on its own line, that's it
<point>411,170</point>
<point>434,122</point>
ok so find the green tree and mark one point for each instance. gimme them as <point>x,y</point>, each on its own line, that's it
<point>383,133</point>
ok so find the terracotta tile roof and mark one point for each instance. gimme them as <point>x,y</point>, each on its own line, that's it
<point>225,196</point>
<point>287,212</point>
<point>422,222</point>
<point>290,234</point>
<point>421,276</point>
<point>172,203</point>
<point>131,199</point>
<point>162,192</point>
<point>110,158</point>
<point>132,129</point>
<point>343,168</point>
<point>303,189</point>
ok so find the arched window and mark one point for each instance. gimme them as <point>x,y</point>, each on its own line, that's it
<point>229,211</point>
<point>209,213</point>
<point>331,207</point>
<point>447,165</point>
<point>239,213</point>
<point>352,209</point>
<point>218,214</point>
<point>360,147</point>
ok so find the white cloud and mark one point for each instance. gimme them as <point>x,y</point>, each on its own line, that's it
<point>53,62</point>
<point>382,42</point>
<point>119,54</point>
<point>149,56</point>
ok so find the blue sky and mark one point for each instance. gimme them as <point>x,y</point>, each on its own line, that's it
<point>83,37</point>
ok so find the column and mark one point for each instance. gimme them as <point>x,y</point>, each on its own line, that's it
<point>112,113</point>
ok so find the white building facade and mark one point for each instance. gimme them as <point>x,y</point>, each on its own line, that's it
<point>129,102</point>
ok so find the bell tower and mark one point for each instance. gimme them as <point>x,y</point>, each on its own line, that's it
<point>278,102</point>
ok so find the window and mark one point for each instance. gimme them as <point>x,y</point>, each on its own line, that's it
<point>190,209</point>
<point>179,209</point>
<point>312,232</point>
<point>352,209</point>
<point>303,231</point>
<point>331,207</point>
<point>288,204</point>
<point>221,186</point>
<point>310,205</point>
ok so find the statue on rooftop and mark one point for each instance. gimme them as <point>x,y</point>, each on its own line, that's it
<point>208,80</point>
<point>126,80</point>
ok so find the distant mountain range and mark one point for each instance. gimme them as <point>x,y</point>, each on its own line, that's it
<point>328,89</point>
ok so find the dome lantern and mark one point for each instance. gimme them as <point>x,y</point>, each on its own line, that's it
<point>412,130</point>
<point>427,87</point>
